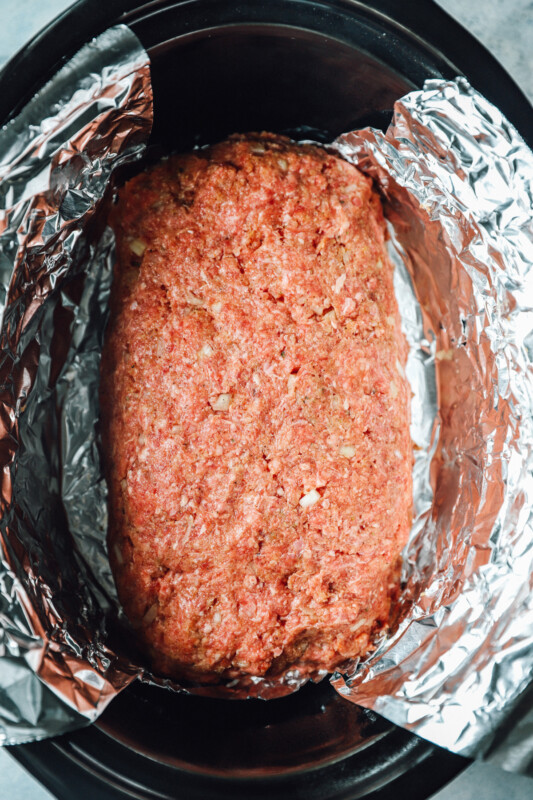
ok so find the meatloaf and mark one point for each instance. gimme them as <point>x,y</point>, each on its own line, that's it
<point>255,411</point>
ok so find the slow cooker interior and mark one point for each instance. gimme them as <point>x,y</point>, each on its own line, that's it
<point>239,78</point>
<point>308,69</point>
<point>310,728</point>
<point>211,80</point>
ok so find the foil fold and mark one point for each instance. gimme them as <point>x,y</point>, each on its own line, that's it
<point>457,180</point>
<point>56,159</point>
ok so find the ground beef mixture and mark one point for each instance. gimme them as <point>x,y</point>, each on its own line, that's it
<point>255,411</point>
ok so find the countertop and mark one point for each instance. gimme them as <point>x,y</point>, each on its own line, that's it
<point>505,27</point>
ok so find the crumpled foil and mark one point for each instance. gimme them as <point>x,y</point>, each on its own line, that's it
<point>458,186</point>
<point>456,179</point>
<point>56,158</point>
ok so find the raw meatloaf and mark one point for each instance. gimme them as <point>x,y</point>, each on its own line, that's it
<point>255,411</point>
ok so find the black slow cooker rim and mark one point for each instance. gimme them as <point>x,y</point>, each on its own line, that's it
<point>104,768</point>
<point>458,53</point>
<point>457,50</point>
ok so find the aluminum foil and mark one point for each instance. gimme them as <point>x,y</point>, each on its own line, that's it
<point>56,160</point>
<point>456,179</point>
<point>458,186</point>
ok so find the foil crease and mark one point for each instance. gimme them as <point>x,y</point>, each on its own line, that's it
<point>458,186</point>
<point>56,159</point>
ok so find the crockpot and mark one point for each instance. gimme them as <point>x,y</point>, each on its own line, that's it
<point>309,69</point>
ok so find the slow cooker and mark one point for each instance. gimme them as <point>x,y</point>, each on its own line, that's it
<point>308,69</point>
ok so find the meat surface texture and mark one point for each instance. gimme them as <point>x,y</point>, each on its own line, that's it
<point>255,411</point>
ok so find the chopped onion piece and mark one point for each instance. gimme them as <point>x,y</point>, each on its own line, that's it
<point>444,355</point>
<point>347,450</point>
<point>205,350</point>
<point>400,368</point>
<point>118,554</point>
<point>150,615</point>
<point>309,499</point>
<point>339,283</point>
<point>222,402</point>
<point>331,318</point>
<point>138,247</point>
<point>348,307</point>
